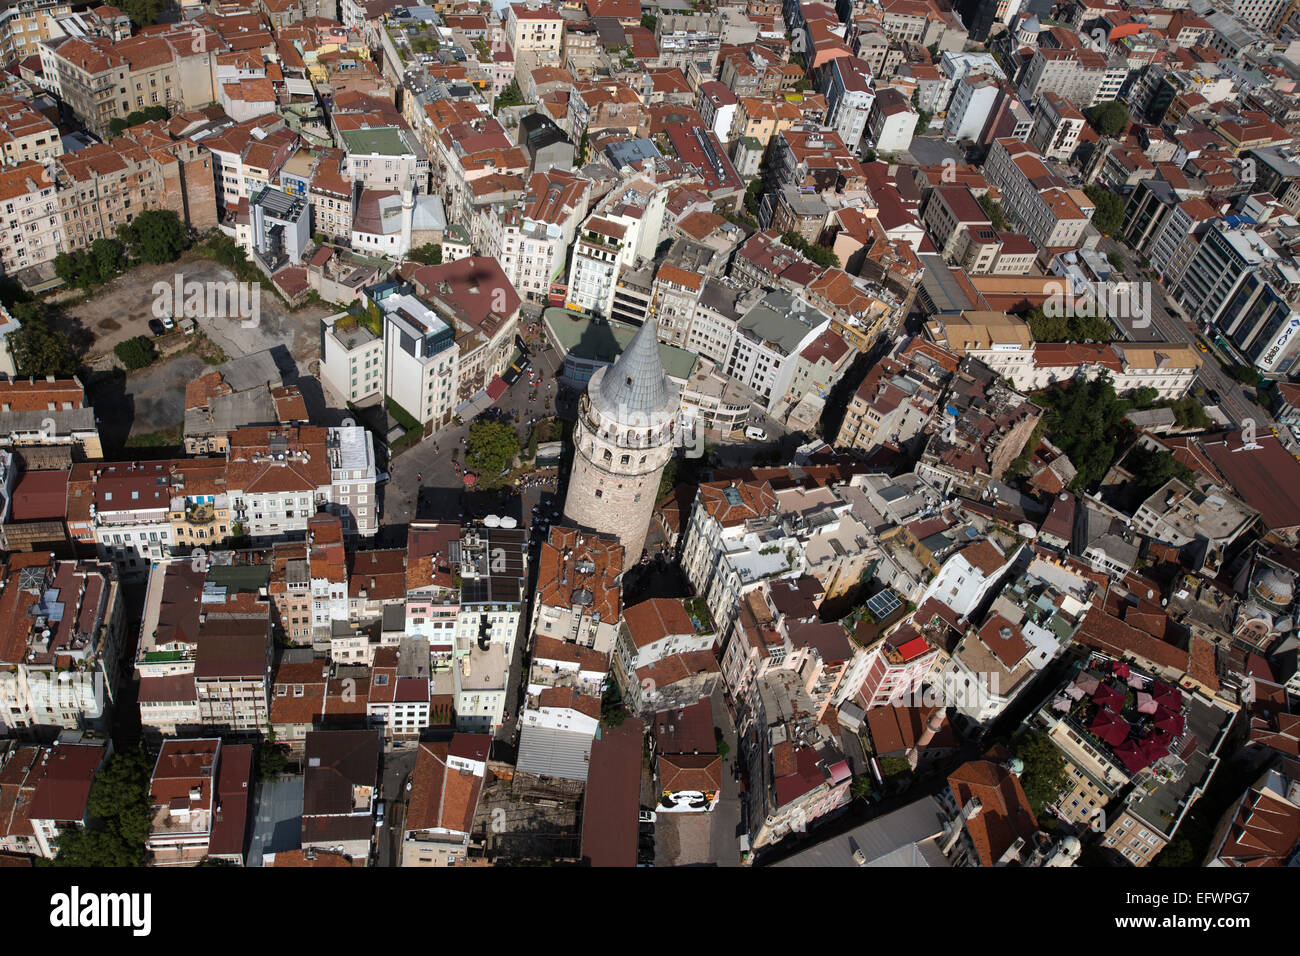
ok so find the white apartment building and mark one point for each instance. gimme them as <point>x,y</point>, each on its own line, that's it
<point>352,360</point>
<point>600,253</point>
<point>278,477</point>
<point>973,100</point>
<point>532,239</point>
<point>1051,214</point>
<point>767,342</point>
<point>849,97</point>
<point>421,359</point>
<point>967,576</point>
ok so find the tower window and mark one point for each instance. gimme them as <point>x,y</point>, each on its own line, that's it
<point>599,493</point>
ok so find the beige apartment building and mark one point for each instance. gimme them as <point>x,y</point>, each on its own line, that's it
<point>31,229</point>
<point>102,81</point>
<point>23,25</point>
<point>1050,213</point>
<point>26,134</point>
<point>536,28</point>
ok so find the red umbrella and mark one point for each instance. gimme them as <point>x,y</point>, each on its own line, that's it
<point>1109,727</point>
<point>1171,723</point>
<point>1131,756</point>
<point>1166,696</point>
<point>1120,669</point>
<point>1108,697</point>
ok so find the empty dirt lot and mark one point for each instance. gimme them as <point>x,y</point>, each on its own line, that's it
<point>122,309</point>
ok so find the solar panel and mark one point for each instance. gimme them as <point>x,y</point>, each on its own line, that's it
<point>883,604</point>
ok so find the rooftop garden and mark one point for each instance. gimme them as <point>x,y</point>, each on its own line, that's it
<point>698,612</point>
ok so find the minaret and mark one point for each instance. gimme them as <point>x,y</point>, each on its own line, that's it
<point>623,440</point>
<point>408,216</point>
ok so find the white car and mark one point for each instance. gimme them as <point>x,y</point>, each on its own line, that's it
<point>168,322</point>
<point>646,816</point>
<point>755,433</point>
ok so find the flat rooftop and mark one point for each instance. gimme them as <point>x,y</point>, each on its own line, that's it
<point>583,337</point>
<point>383,141</point>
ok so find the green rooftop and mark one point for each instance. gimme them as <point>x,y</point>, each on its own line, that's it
<point>383,141</point>
<point>240,577</point>
<point>581,336</point>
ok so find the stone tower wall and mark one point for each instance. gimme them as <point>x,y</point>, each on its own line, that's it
<point>627,492</point>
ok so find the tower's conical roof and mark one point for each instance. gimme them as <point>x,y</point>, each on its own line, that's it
<point>636,383</point>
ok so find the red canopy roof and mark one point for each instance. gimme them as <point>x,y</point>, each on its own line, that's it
<point>1109,698</point>
<point>1109,727</point>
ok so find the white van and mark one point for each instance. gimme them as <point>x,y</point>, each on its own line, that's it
<point>755,433</point>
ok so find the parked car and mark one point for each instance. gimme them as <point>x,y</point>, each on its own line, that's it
<point>168,322</point>
<point>380,808</point>
<point>647,816</point>
<point>156,327</point>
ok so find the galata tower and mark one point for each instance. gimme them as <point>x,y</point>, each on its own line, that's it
<point>623,440</point>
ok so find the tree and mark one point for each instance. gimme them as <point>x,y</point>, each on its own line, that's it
<point>861,788</point>
<point>155,236</point>
<point>896,768</point>
<point>118,808</point>
<point>1109,216</point>
<point>612,710</point>
<point>1109,118</point>
<point>143,13</point>
<point>118,125</point>
<point>1244,374</point>
<point>490,449</point>
<point>818,254</point>
<point>1047,328</point>
<point>271,760</point>
<point>993,209</point>
<point>1145,397</point>
<point>754,195</point>
<point>1179,853</point>
<point>38,348</point>
<point>90,267</point>
<point>430,254</point>
<point>1044,777</point>
<point>668,479</point>
<point>1086,421</point>
<point>135,353</point>
<point>105,259</point>
<point>1151,469</point>
<point>510,96</point>
<point>649,20</point>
